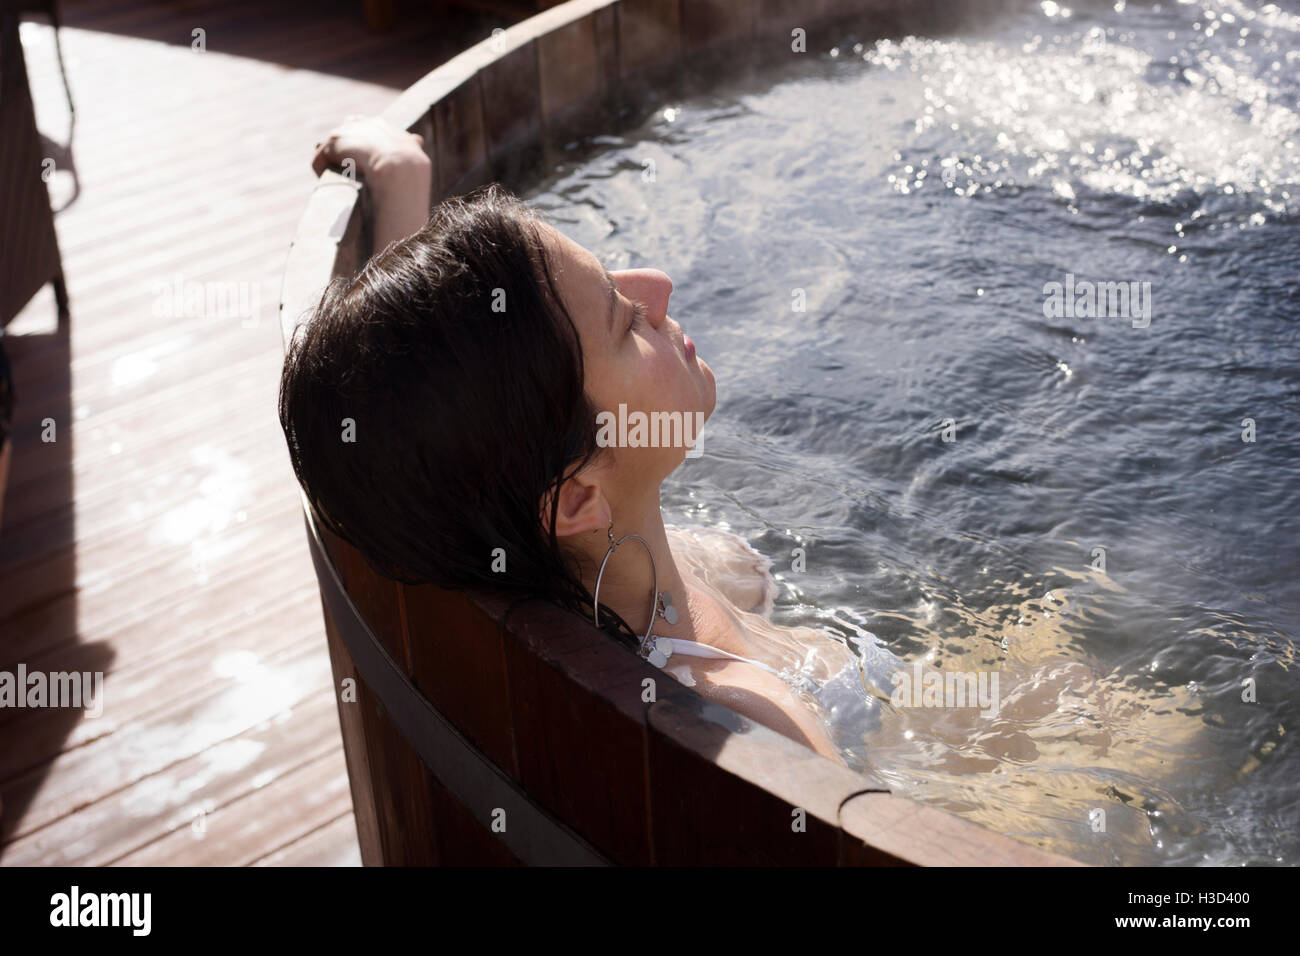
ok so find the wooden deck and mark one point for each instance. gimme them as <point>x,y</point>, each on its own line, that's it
<point>158,539</point>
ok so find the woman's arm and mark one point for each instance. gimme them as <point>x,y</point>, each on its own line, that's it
<point>394,167</point>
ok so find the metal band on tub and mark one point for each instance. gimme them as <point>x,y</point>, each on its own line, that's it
<point>533,836</point>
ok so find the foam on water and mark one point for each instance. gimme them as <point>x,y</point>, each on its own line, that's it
<point>1101,107</point>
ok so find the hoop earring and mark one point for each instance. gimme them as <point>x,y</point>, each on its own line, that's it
<point>663,602</point>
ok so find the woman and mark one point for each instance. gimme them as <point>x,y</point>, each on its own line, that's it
<point>441,411</point>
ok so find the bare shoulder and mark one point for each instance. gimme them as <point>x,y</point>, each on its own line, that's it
<point>764,698</point>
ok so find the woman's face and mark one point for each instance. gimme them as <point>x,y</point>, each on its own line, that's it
<point>635,356</point>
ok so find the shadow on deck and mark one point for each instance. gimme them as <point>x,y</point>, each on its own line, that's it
<point>159,539</point>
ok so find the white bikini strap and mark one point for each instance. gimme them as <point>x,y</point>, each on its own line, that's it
<point>696,649</point>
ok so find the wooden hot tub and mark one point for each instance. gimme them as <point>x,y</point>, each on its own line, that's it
<point>483,732</point>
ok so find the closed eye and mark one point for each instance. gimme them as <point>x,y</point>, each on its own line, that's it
<point>638,315</point>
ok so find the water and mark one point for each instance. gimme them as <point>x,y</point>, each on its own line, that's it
<point>922,193</point>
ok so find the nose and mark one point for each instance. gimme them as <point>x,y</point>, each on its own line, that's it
<point>650,287</point>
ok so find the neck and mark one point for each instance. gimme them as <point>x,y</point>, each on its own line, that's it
<point>627,584</point>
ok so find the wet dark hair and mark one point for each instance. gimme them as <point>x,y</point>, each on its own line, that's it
<point>464,416</point>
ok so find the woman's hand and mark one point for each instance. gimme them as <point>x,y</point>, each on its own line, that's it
<point>376,146</point>
<point>394,166</point>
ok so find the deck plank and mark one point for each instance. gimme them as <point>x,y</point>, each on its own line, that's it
<point>274,815</point>
<point>168,801</point>
<point>159,540</point>
<point>228,706</point>
<point>332,845</point>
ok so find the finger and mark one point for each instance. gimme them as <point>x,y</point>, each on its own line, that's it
<point>329,145</point>
<point>320,159</point>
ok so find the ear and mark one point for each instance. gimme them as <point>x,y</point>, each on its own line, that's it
<point>583,508</point>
